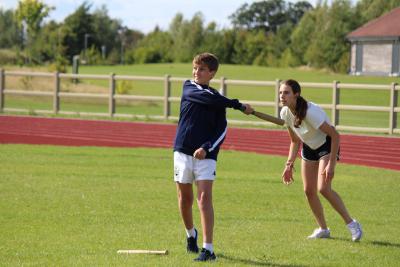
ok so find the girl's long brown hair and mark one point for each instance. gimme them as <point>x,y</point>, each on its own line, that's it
<point>301,103</point>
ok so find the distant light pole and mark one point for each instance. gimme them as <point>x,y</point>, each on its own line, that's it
<point>87,35</point>
<point>26,42</point>
<point>122,37</point>
<point>103,52</point>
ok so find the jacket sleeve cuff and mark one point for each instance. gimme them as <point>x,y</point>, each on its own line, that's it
<point>238,105</point>
<point>206,146</point>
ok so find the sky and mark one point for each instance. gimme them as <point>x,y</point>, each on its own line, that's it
<point>145,15</point>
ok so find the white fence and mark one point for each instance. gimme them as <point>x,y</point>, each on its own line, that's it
<point>167,99</point>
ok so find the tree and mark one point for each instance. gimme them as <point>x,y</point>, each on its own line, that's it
<point>220,43</point>
<point>248,46</point>
<point>276,19</point>
<point>268,15</point>
<point>130,40</point>
<point>328,41</point>
<point>48,44</point>
<point>278,43</point>
<point>262,15</point>
<point>302,37</point>
<point>196,35</point>
<point>8,29</point>
<point>179,29</point>
<point>78,31</point>
<point>371,9</point>
<point>107,33</point>
<point>187,36</point>
<point>226,44</point>
<point>296,11</point>
<point>30,14</point>
<point>156,47</point>
<point>176,25</point>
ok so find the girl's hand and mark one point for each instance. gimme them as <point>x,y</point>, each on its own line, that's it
<point>328,172</point>
<point>287,175</point>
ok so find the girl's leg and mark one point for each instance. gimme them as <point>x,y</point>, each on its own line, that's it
<point>325,188</point>
<point>309,173</point>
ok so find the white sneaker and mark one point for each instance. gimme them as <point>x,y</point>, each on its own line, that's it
<point>355,230</point>
<point>320,233</point>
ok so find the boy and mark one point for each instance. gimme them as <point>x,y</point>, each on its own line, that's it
<point>201,130</point>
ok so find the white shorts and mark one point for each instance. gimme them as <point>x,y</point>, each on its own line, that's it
<point>188,169</point>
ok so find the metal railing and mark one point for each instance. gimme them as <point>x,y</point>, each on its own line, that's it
<point>167,99</point>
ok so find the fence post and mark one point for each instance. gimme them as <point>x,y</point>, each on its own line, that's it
<point>393,104</point>
<point>335,102</point>
<point>56,97</point>
<point>277,107</point>
<point>167,94</point>
<point>2,87</point>
<point>222,89</point>
<point>111,99</point>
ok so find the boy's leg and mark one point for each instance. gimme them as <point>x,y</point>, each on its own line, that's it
<point>185,202</point>
<point>205,174</point>
<point>184,177</point>
<point>204,200</point>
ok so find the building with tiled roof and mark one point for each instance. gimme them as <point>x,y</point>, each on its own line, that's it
<point>375,46</point>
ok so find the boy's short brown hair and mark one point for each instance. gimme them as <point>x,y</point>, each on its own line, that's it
<point>208,59</point>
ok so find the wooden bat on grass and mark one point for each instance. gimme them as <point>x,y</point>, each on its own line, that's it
<point>141,251</point>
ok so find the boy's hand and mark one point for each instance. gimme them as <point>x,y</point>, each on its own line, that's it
<point>200,153</point>
<point>249,110</point>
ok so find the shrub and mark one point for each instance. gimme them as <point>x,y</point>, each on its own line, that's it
<point>8,57</point>
<point>123,87</point>
<point>60,65</point>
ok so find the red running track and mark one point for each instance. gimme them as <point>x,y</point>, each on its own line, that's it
<point>374,151</point>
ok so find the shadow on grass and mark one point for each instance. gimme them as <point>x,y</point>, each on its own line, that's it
<point>340,239</point>
<point>384,244</point>
<point>255,262</point>
<point>374,242</point>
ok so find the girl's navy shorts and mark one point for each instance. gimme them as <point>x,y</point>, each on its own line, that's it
<point>308,153</point>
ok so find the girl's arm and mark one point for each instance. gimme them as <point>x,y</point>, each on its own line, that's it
<point>335,140</point>
<point>287,175</point>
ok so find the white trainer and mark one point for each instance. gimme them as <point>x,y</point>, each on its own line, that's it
<point>320,233</point>
<point>355,230</point>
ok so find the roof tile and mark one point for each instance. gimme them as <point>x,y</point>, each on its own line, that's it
<point>384,26</point>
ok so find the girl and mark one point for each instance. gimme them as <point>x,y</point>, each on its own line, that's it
<point>307,123</point>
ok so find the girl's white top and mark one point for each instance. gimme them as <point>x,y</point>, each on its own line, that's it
<point>308,131</point>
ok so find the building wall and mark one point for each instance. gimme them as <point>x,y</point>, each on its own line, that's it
<point>353,58</point>
<point>371,57</point>
<point>377,57</point>
<point>396,58</point>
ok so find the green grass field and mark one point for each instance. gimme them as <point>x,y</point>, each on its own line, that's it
<point>249,93</point>
<point>76,206</point>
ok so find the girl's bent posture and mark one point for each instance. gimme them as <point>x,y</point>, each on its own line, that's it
<point>307,123</point>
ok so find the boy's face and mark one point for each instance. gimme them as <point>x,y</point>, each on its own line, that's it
<point>202,74</point>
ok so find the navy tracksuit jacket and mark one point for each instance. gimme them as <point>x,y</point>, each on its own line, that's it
<point>202,119</point>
